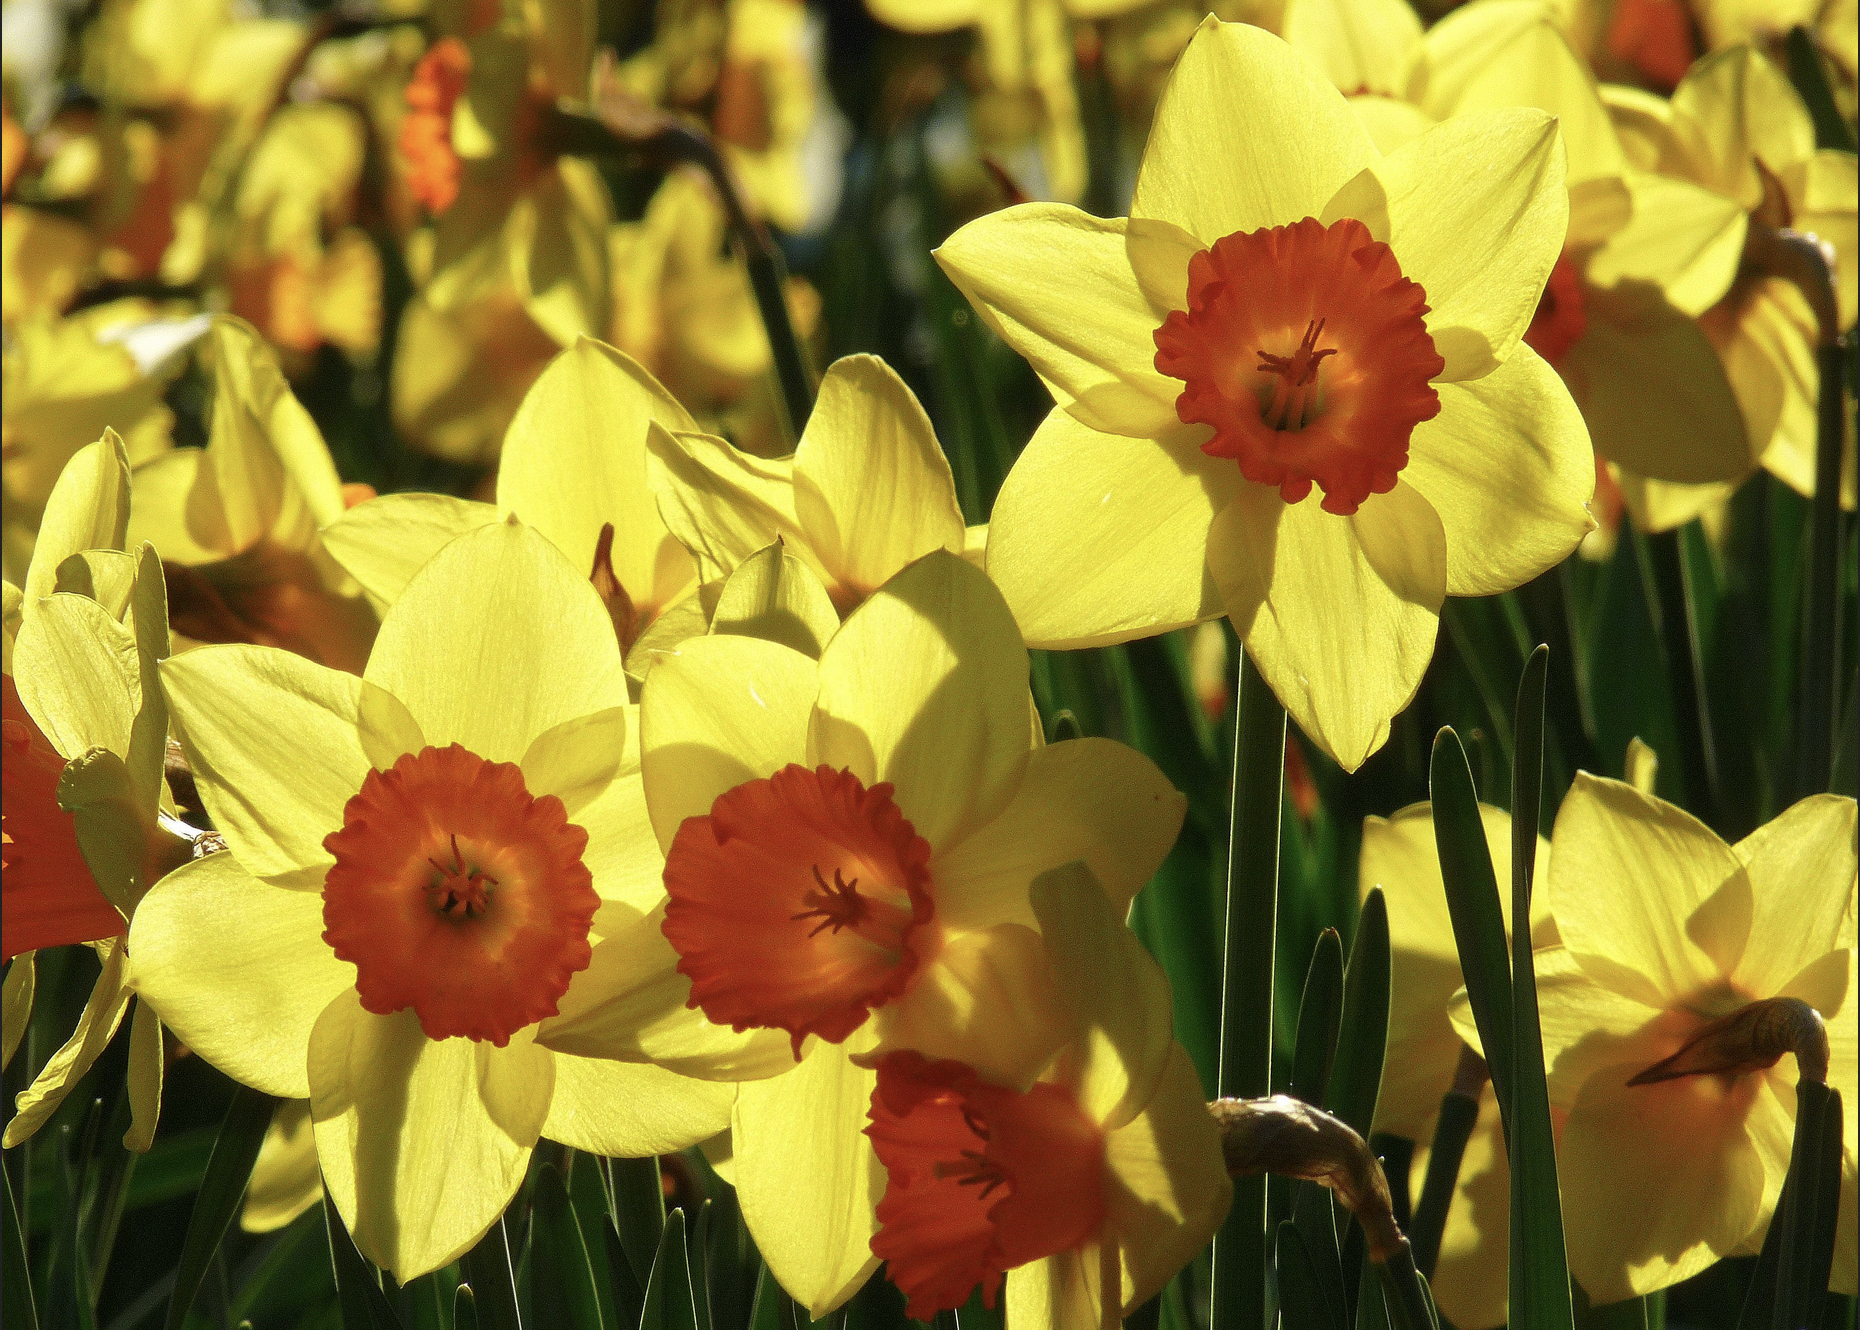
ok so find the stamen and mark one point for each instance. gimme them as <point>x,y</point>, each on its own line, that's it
<point>465,896</point>
<point>1292,395</point>
<point>837,906</point>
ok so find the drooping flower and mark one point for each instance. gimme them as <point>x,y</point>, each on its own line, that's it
<point>1085,1170</point>
<point>574,467</point>
<point>1666,930</point>
<point>1400,857</point>
<point>418,876</point>
<point>845,841</point>
<point>1372,351</point>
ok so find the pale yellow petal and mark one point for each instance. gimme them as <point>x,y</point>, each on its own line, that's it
<point>143,1078</point>
<point>1362,47</point>
<point>1508,467</point>
<point>1469,1284</point>
<point>777,597</point>
<point>550,656</point>
<point>1060,1291</point>
<point>422,1143</point>
<point>579,759</point>
<point>623,853</point>
<point>21,981</point>
<point>628,1110</point>
<point>78,675</point>
<point>800,1150</point>
<point>1232,79</point>
<point>96,1026</point>
<point>722,504</point>
<point>925,687</point>
<point>872,488</point>
<point>1682,238</point>
<point>1476,211</point>
<point>717,712</point>
<point>1096,538</point>
<point>285,1179</point>
<point>383,542</point>
<point>1802,874</point>
<point>88,509</point>
<point>1340,614</point>
<point>1732,110</point>
<point>238,969</point>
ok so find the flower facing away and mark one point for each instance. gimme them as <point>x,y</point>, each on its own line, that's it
<point>574,467</point>
<point>846,842</point>
<point>867,490</point>
<point>1666,930</point>
<point>416,881</point>
<point>1323,450</point>
<point>1085,1170</point>
<point>1399,856</point>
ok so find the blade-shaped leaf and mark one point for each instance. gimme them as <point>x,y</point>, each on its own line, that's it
<point>235,1150</point>
<point>358,1285</point>
<point>669,1301</point>
<point>493,1279</point>
<point>15,1277</point>
<point>562,1287</point>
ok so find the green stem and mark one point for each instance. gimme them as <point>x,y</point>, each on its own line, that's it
<point>1459,1114</point>
<point>1240,1249</point>
<point>1817,743</point>
<point>1669,592</point>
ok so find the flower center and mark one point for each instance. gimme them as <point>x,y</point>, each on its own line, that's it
<point>49,895</point>
<point>426,130</point>
<point>1562,313</point>
<point>799,903</point>
<point>459,894</point>
<point>980,1178</point>
<point>1337,415</point>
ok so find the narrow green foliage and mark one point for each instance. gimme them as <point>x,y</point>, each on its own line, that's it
<point>1539,1272</point>
<point>1305,1299</point>
<point>1372,1312</point>
<point>1627,1315</point>
<point>1818,700</point>
<point>464,1309</point>
<point>593,1203</point>
<point>1410,1305</point>
<point>1674,599</point>
<point>358,1286</point>
<point>1806,1213</point>
<point>670,1304</point>
<point>1319,1014</point>
<point>16,1302</point>
<point>1472,899</point>
<point>562,1287</point>
<point>1363,1035</point>
<point>773,1309</point>
<point>493,1279</point>
<point>1452,1129</point>
<point>639,1212</point>
<point>1809,72</point>
<point>221,1189</point>
<point>629,1292</point>
<point>700,1274</point>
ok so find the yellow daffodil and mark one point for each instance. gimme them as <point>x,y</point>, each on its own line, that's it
<point>406,901</point>
<point>237,521</point>
<point>1382,363</point>
<point>1400,857</point>
<point>573,467</point>
<point>285,1179</point>
<point>867,491</point>
<point>1737,132</point>
<point>66,382</point>
<point>890,806</point>
<point>1084,1166</point>
<point>90,825</point>
<point>1664,931</point>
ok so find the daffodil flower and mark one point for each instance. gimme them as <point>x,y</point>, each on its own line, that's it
<point>1287,310</point>
<point>285,1179</point>
<point>1086,1169</point>
<point>1737,132</point>
<point>236,522</point>
<point>90,825</point>
<point>419,874</point>
<point>573,467</point>
<point>844,841</point>
<point>1664,929</point>
<point>867,491</point>
<point>1400,857</point>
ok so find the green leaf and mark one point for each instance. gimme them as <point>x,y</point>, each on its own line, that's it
<point>294,1272</point>
<point>639,1212</point>
<point>493,1279</point>
<point>1798,1251</point>
<point>669,1301</point>
<point>1818,694</point>
<point>1472,900</point>
<point>1539,1270</point>
<point>1809,73</point>
<point>464,1308</point>
<point>1305,1299</point>
<point>1630,1314</point>
<point>629,1296</point>
<point>593,1201</point>
<point>562,1287</point>
<point>1319,1012</point>
<point>358,1284</point>
<point>235,1149</point>
<point>1362,1038</point>
<point>15,1278</point>
<point>700,1274</point>
<point>774,1309</point>
<point>1410,1306</point>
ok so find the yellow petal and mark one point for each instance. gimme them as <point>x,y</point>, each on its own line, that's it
<point>622,852</point>
<point>1733,110</point>
<point>800,1150</point>
<point>1096,538</point>
<point>1822,191</point>
<point>1469,1283</point>
<point>21,981</point>
<point>722,504</point>
<point>1476,211</point>
<point>872,487</point>
<point>631,1004</point>
<point>96,1026</point>
<point>988,1000</point>
<point>1585,1024</point>
<point>1238,79</point>
<point>1093,800</point>
<point>88,509</point>
<point>285,1180</point>
<point>1683,238</point>
<point>238,969</point>
<point>1650,902</point>
<point>382,543</point>
<point>1359,47</point>
<point>925,686</point>
<point>577,760</point>
<point>628,1110</point>
<point>228,705</point>
<point>1802,873</point>
<point>146,1058</point>
<point>1060,1291</point>
<point>550,658</point>
<point>1340,614</point>
<point>1507,466</point>
<point>1653,391</point>
<point>422,1142</point>
<point>78,675</point>
<point>717,712</point>
<point>1168,1187</point>
<point>775,596</point>
<point>1023,267</point>
<point>575,459</point>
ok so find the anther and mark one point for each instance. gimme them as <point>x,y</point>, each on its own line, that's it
<point>837,906</point>
<point>1291,395</point>
<point>464,889</point>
